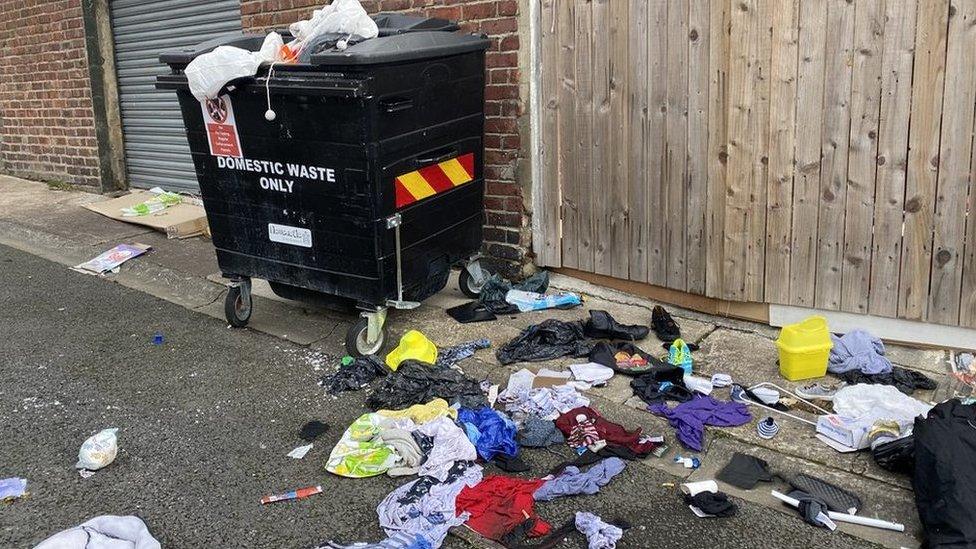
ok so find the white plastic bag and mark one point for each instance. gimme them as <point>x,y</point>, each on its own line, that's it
<point>340,17</point>
<point>878,402</point>
<point>98,451</point>
<point>210,72</point>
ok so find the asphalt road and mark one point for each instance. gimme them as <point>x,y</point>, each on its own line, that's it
<point>206,420</point>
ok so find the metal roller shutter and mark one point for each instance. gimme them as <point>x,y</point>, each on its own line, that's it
<point>156,150</point>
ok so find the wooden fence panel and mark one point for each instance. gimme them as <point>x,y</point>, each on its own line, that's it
<point>547,234</point>
<point>782,134</point>
<point>923,157</point>
<point>835,138</point>
<point>571,180</point>
<point>806,182</point>
<point>718,120</point>
<point>656,146</point>
<point>954,158</point>
<point>811,153</point>
<point>619,152</point>
<point>677,144</point>
<point>862,161</point>
<point>697,188</point>
<point>896,100</point>
<point>583,119</point>
<point>640,128</point>
<point>601,137</point>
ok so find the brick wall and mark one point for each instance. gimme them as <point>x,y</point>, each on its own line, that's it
<point>48,129</point>
<point>505,233</point>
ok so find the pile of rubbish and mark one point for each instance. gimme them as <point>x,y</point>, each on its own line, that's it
<point>432,421</point>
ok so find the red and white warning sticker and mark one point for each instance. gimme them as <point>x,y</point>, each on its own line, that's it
<point>218,116</point>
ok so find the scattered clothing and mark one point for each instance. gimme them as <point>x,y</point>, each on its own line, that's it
<point>450,356</point>
<point>406,447</point>
<point>858,351</point>
<point>712,504</point>
<point>571,481</point>
<point>451,445</point>
<point>906,381</point>
<point>498,505</point>
<point>690,418</point>
<point>767,428</point>
<point>944,476</point>
<point>812,509</point>
<point>543,402</point>
<point>545,341</point>
<point>415,383</point>
<point>473,311</point>
<point>666,383</point>
<point>491,432</point>
<point>589,457</point>
<point>371,445</point>
<point>599,534</point>
<point>355,376</point>
<point>591,373</point>
<point>312,430</point>
<point>664,326</point>
<point>601,325</point>
<point>426,507</point>
<point>607,431</point>
<point>510,464</point>
<point>745,471</point>
<point>104,532</point>
<point>680,355</point>
<point>624,358</point>
<point>539,433</point>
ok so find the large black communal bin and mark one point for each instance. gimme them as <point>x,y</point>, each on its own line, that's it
<point>362,187</point>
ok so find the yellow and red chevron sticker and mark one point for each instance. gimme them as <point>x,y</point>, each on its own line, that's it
<point>433,179</point>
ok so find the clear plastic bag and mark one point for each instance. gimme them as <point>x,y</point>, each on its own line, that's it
<point>209,73</point>
<point>339,17</point>
<point>98,451</point>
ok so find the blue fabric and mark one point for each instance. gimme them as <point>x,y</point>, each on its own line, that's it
<point>491,432</point>
<point>572,481</point>
<point>690,418</point>
<point>858,350</point>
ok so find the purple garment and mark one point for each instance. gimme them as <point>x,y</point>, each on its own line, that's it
<point>690,418</point>
<point>858,350</point>
<point>572,481</point>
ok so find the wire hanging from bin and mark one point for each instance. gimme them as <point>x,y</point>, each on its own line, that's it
<point>269,114</point>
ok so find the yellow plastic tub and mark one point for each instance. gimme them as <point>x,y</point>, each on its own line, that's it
<point>804,348</point>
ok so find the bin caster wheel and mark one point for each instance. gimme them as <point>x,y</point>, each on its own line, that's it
<point>237,306</point>
<point>468,286</point>
<point>357,339</point>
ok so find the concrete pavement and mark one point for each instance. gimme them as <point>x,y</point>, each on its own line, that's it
<point>51,224</point>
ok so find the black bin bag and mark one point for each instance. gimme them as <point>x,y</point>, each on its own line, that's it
<point>945,475</point>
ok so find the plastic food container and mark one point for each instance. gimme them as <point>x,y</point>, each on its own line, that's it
<point>804,349</point>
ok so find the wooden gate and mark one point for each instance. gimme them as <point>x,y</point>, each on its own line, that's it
<point>816,153</point>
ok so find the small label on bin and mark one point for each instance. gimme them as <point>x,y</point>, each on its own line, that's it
<point>218,116</point>
<point>296,236</point>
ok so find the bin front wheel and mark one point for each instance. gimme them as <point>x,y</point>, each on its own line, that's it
<point>468,286</point>
<point>358,342</point>
<point>237,305</point>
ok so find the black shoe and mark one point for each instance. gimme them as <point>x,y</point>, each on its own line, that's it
<point>663,325</point>
<point>603,326</point>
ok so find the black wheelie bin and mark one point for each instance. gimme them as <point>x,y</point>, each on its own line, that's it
<point>353,178</point>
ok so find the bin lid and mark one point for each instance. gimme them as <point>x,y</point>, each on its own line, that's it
<point>398,48</point>
<point>398,23</point>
